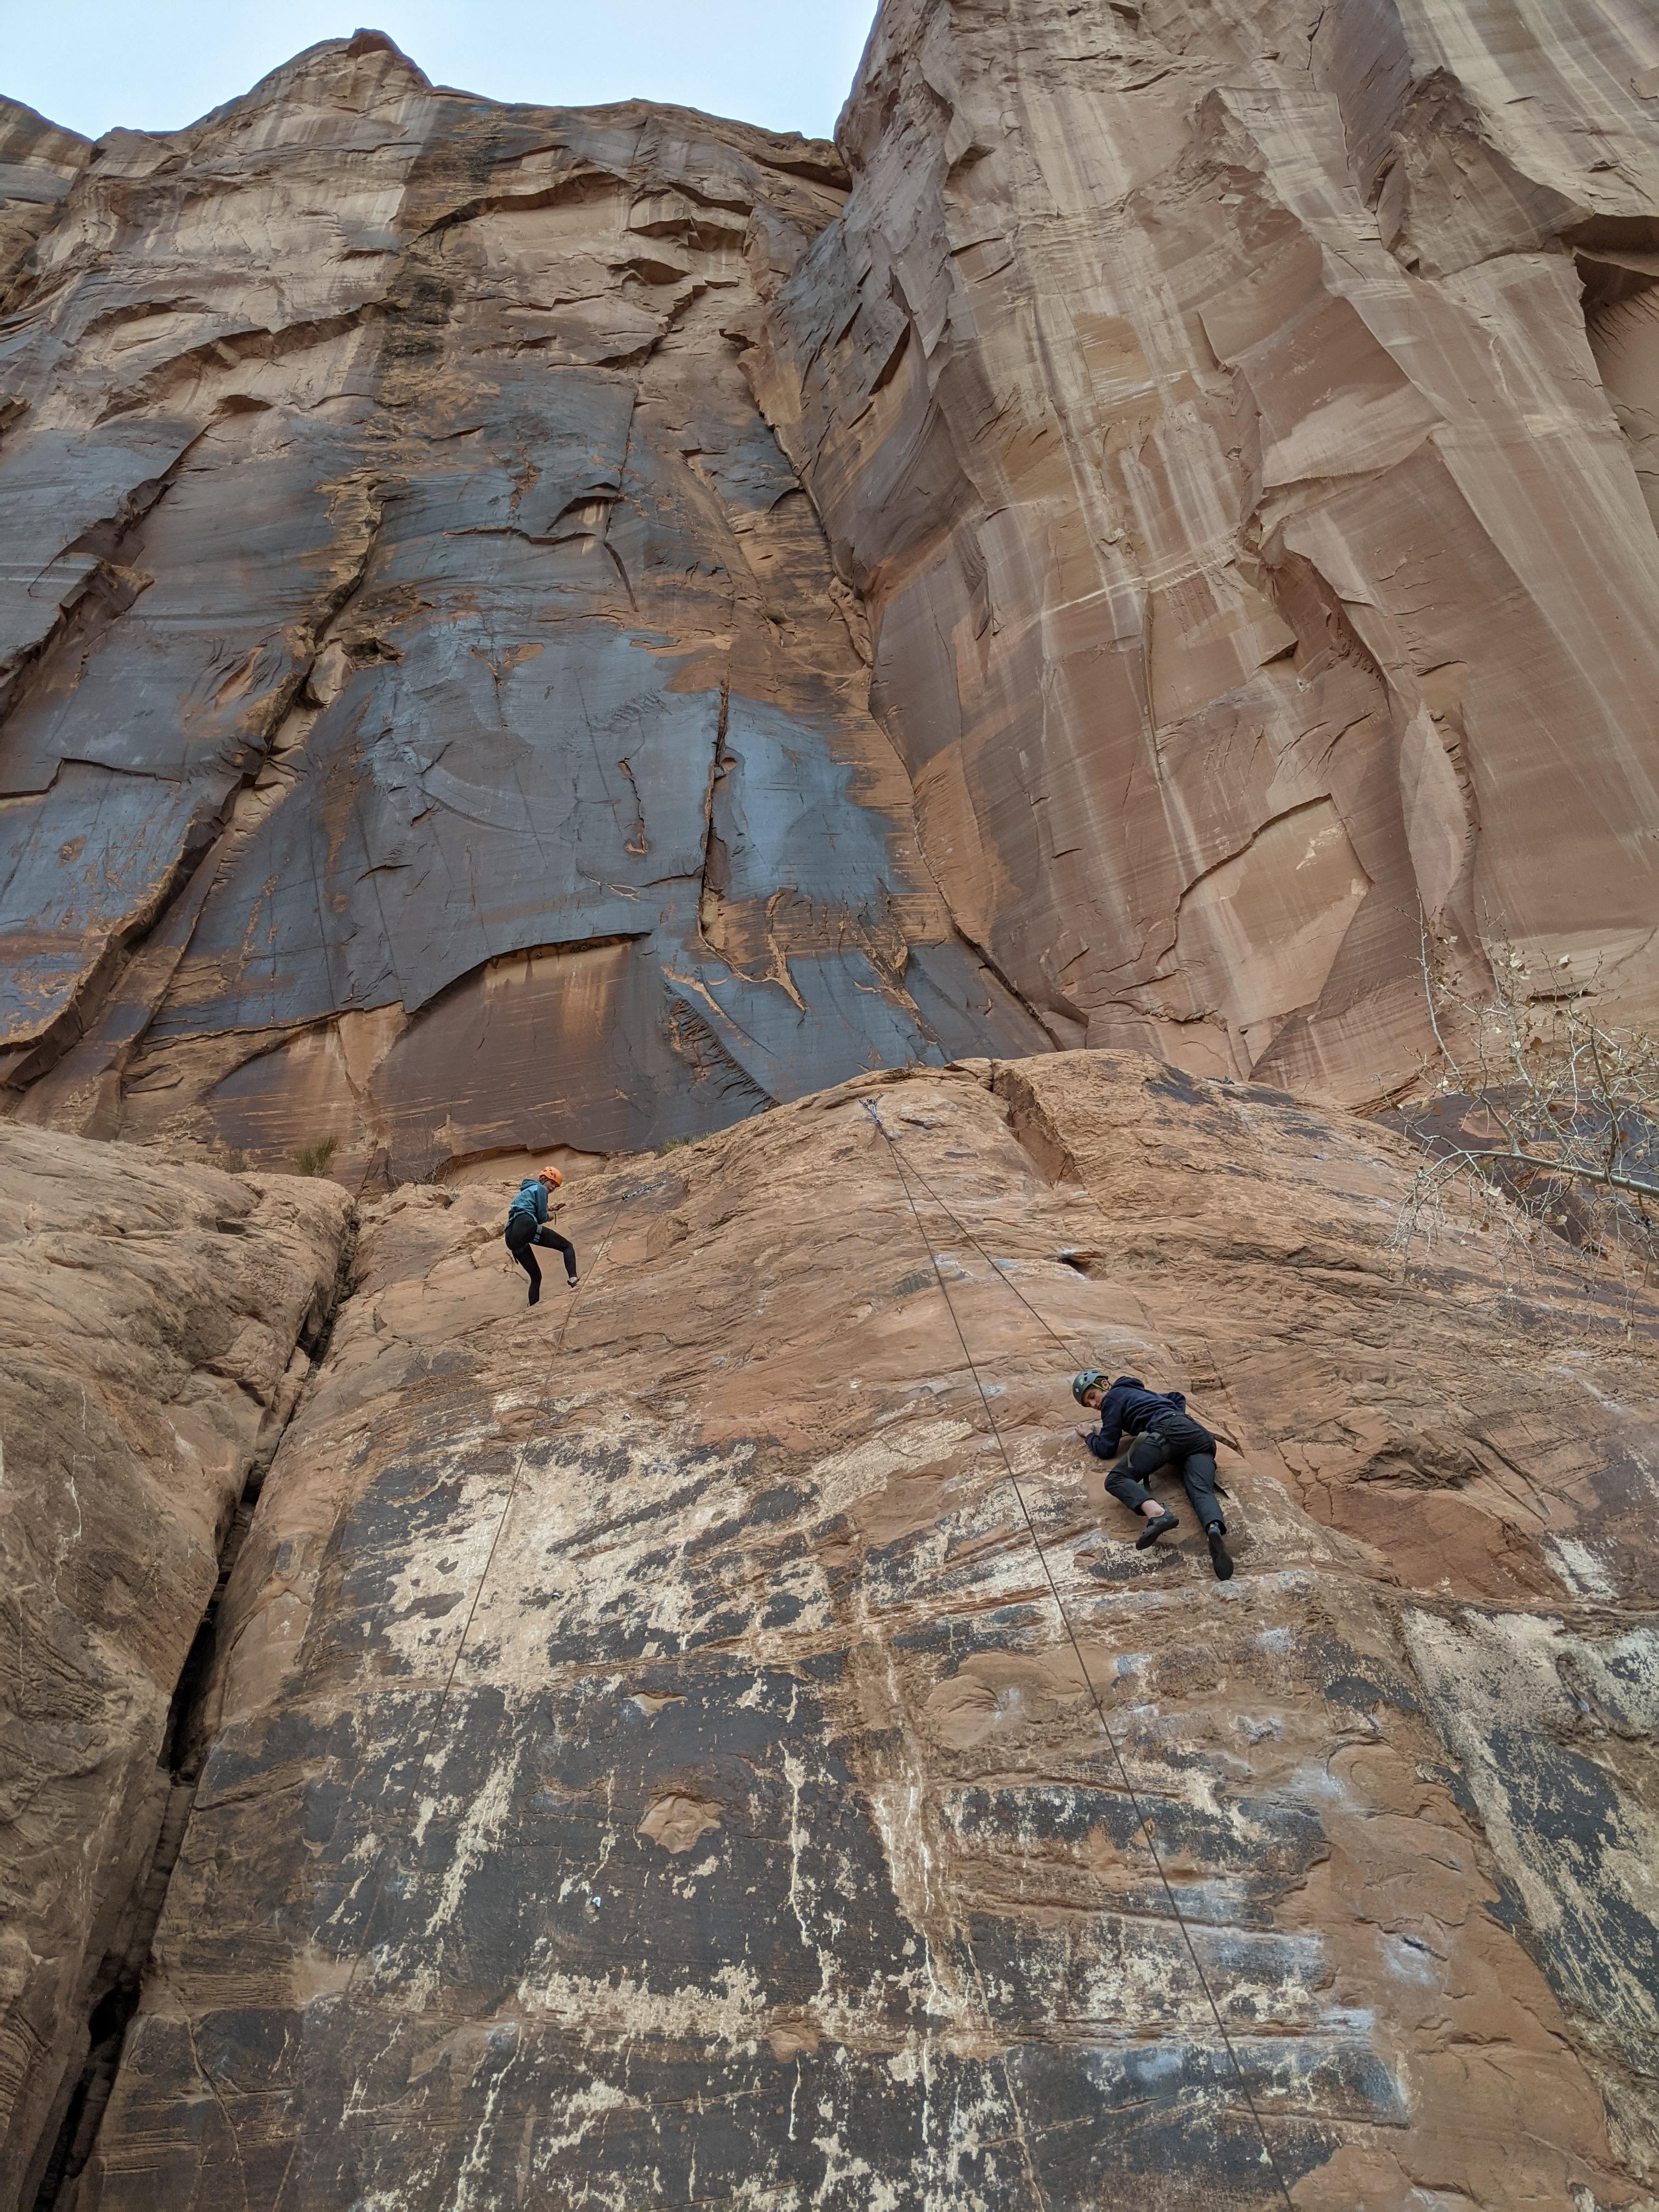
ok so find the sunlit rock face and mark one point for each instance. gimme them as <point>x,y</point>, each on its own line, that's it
<point>1236,419</point>
<point>38,165</point>
<point>650,1763</point>
<point>431,719</point>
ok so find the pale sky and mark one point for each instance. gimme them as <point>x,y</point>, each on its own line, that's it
<point>156,64</point>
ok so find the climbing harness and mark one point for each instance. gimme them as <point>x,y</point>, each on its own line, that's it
<point>1141,1818</point>
<point>378,1874</point>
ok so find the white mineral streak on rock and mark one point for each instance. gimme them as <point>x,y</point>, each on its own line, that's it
<point>763,1841</point>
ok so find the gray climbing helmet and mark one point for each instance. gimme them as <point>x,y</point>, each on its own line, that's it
<point>1090,1379</point>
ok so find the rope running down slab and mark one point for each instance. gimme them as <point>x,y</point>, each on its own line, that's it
<point>478,1594</point>
<point>1141,1817</point>
<point>1068,1343</point>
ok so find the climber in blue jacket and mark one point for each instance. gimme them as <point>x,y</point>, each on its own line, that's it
<point>527,1226</point>
<point>1165,1435</point>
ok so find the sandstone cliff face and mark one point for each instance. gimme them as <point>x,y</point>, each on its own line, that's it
<point>38,164</point>
<point>520,626</point>
<point>1235,418</point>
<point>431,719</point>
<point>650,1765</point>
<point>154,1325</point>
<point>1235,430</point>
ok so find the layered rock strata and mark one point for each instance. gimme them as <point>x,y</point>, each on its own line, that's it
<point>1236,419</point>
<point>154,1324</point>
<point>431,718</point>
<point>38,164</point>
<point>651,1763</point>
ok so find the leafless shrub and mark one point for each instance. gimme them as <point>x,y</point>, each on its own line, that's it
<point>1540,1125</point>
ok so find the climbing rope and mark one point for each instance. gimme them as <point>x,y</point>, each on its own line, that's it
<point>378,1874</point>
<point>1141,1818</point>
<point>1067,1344</point>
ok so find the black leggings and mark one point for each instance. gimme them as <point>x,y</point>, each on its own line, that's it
<point>521,1242</point>
<point>1175,1441</point>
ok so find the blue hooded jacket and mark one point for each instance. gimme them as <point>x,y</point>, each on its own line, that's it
<point>531,1200</point>
<point>1128,1409</point>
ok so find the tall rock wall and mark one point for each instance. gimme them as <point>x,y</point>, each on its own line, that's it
<point>522,626</point>
<point>155,1327</point>
<point>651,1763</point>
<point>1236,416</point>
<point>430,716</point>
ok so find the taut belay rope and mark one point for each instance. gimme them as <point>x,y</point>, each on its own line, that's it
<point>1142,1821</point>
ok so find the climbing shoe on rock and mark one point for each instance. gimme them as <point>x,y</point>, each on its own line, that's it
<point>1220,1558</point>
<point>1154,1529</point>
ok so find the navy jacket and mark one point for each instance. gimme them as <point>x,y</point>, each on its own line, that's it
<point>1127,1409</point>
<point>531,1200</point>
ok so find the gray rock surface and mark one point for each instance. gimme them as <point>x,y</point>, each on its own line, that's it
<point>431,719</point>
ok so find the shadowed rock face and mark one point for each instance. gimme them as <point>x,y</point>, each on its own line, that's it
<point>648,1764</point>
<point>1253,537</point>
<point>430,716</point>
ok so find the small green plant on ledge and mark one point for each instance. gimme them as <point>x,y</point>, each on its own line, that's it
<point>315,1160</point>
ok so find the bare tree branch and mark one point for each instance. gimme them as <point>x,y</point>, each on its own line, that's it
<point>1547,1118</point>
<point>1562,1168</point>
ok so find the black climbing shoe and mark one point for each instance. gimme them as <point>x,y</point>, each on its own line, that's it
<point>1220,1558</point>
<point>1154,1529</point>
<point>571,1281</point>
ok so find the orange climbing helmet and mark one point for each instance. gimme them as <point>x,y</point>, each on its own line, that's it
<point>550,1175</point>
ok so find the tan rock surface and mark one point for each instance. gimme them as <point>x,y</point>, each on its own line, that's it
<point>526,633</point>
<point>1235,418</point>
<point>649,1764</point>
<point>152,1325</point>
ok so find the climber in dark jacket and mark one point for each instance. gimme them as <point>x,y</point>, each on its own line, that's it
<point>527,1226</point>
<point>1165,1435</point>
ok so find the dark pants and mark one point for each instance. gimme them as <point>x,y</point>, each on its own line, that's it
<point>523,1234</point>
<point>1175,1441</point>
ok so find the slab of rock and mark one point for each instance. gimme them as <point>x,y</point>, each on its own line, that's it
<point>663,1751</point>
<point>431,717</point>
<point>153,1321</point>
<point>1238,420</point>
